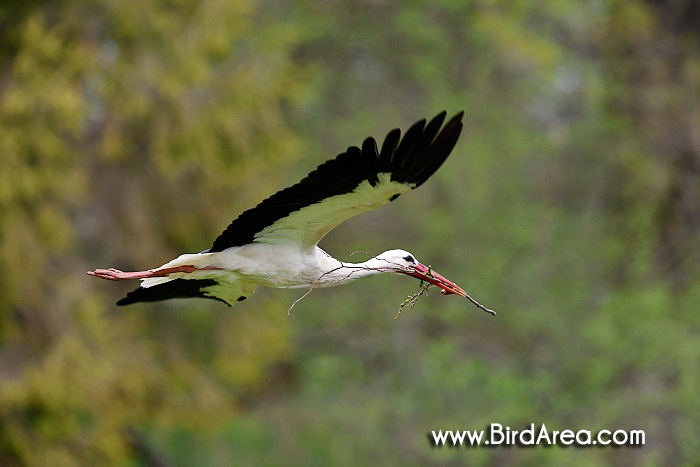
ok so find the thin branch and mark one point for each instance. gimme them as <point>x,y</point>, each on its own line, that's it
<point>412,299</point>
<point>370,255</point>
<point>480,306</point>
<point>342,265</point>
<point>313,284</point>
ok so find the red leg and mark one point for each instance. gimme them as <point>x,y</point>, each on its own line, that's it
<point>117,275</point>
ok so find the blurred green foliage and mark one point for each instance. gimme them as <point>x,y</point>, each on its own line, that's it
<point>131,132</point>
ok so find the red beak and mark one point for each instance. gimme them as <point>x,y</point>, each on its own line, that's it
<point>423,273</point>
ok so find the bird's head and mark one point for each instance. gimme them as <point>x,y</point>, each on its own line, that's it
<point>403,262</point>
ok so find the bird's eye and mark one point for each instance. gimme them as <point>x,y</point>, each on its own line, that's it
<point>409,258</point>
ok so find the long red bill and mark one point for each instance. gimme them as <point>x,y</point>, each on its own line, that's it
<point>425,273</point>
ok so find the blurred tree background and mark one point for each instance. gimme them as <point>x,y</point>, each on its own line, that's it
<point>131,132</point>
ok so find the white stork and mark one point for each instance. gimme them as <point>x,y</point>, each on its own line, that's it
<point>275,243</point>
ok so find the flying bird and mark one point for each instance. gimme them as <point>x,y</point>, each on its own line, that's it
<point>275,243</point>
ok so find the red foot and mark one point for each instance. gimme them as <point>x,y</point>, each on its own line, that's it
<point>117,275</point>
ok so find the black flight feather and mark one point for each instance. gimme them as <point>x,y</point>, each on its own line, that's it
<point>410,160</point>
<point>176,288</point>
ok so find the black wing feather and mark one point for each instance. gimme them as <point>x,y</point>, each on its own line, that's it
<point>388,149</point>
<point>410,160</point>
<point>176,288</point>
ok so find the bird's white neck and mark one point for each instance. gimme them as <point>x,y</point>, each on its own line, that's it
<point>337,272</point>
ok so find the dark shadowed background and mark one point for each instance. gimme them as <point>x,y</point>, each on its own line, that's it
<point>131,132</point>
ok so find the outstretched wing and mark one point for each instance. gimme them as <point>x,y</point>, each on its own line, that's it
<point>215,288</point>
<point>356,181</point>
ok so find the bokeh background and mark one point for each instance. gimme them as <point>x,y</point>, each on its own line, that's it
<point>133,131</point>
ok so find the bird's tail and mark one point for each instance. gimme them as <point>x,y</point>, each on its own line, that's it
<point>174,288</point>
<point>205,282</point>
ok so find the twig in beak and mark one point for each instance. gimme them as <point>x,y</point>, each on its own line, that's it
<point>412,299</point>
<point>481,307</point>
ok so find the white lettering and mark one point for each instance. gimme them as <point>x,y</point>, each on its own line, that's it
<point>543,435</point>
<point>513,436</point>
<point>500,435</point>
<point>475,437</point>
<point>624,437</point>
<point>581,440</point>
<point>457,437</point>
<point>496,429</point>
<point>440,438</point>
<point>566,437</point>
<point>530,434</point>
<point>637,437</point>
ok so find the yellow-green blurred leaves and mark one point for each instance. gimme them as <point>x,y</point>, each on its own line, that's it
<point>142,119</point>
<point>41,118</point>
<point>519,43</point>
<point>134,131</point>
